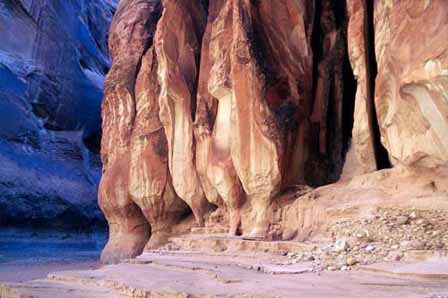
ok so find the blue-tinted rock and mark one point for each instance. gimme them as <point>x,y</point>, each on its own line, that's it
<point>53,59</point>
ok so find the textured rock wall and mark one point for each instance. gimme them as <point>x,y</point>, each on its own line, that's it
<point>53,59</point>
<point>131,31</point>
<point>410,86</point>
<point>220,107</point>
<point>363,149</point>
<point>213,105</point>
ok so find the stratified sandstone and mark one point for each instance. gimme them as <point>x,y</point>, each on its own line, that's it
<point>229,105</point>
<point>213,114</point>
<point>148,147</point>
<point>411,86</point>
<point>269,100</point>
<point>363,148</point>
<point>178,45</point>
<point>132,29</point>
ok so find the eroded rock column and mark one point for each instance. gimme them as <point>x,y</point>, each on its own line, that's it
<point>178,46</point>
<point>362,151</point>
<point>130,33</point>
<point>150,180</point>
<point>214,112</point>
<point>253,100</point>
<point>270,99</point>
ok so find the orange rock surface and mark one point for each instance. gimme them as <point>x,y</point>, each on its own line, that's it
<point>217,108</point>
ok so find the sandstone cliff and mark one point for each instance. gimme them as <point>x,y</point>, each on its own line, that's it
<point>53,59</point>
<point>221,107</point>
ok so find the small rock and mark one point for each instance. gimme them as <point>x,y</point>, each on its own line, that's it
<point>395,256</point>
<point>340,245</point>
<point>417,244</point>
<point>355,248</point>
<point>405,244</point>
<point>370,248</point>
<point>351,261</point>
<point>310,258</point>
<point>422,222</point>
<point>395,247</point>
<point>402,220</point>
<point>362,234</point>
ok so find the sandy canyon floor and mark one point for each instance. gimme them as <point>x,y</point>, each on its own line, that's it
<point>224,267</point>
<point>380,235</point>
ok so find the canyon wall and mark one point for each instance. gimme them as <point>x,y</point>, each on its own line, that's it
<point>399,57</point>
<point>220,107</point>
<point>53,59</point>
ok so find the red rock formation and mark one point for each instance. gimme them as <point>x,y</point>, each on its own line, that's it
<point>362,143</point>
<point>178,45</point>
<point>251,101</point>
<point>246,148</point>
<point>410,83</point>
<point>234,102</point>
<point>131,30</point>
<point>213,114</point>
<point>148,146</point>
<point>411,86</point>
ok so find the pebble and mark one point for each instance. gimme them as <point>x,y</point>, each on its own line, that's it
<point>351,261</point>
<point>370,248</point>
<point>310,258</point>
<point>394,256</point>
<point>405,243</point>
<point>417,244</point>
<point>402,220</point>
<point>386,236</point>
<point>340,245</point>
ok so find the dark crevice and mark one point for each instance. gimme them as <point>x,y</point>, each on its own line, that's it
<point>316,43</point>
<point>205,6</point>
<point>349,103</point>
<point>93,142</point>
<point>381,155</point>
<point>332,73</point>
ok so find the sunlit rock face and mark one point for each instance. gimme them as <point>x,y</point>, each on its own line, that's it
<point>148,110</point>
<point>131,31</point>
<point>217,108</point>
<point>411,92</point>
<point>362,157</point>
<point>215,105</point>
<point>254,95</point>
<point>53,59</point>
<point>410,88</point>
